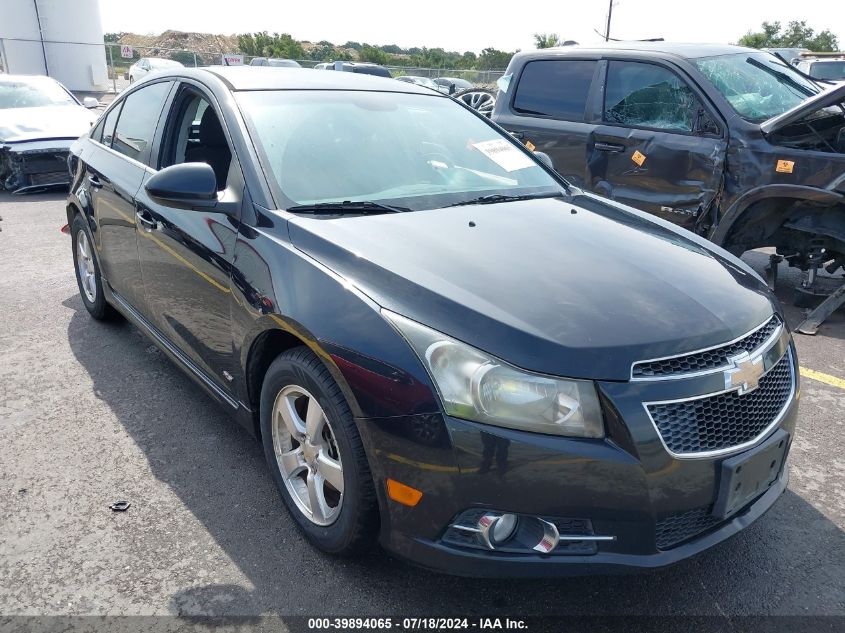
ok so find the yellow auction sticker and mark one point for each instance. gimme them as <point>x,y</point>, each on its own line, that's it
<point>785,166</point>
<point>638,157</point>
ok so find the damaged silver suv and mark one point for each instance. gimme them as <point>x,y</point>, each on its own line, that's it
<point>728,142</point>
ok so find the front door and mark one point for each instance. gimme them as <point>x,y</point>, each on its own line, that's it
<point>186,253</point>
<point>658,148</point>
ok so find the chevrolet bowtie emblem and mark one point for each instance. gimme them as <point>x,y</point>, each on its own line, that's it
<point>745,374</point>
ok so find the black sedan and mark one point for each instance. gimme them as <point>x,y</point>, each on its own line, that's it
<point>441,344</point>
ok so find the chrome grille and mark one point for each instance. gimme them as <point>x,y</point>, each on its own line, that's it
<point>705,360</point>
<point>675,529</point>
<point>725,420</point>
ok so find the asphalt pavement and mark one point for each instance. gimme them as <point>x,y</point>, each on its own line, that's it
<point>92,413</point>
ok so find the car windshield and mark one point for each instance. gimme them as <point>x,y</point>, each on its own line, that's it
<point>757,85</point>
<point>828,70</point>
<point>32,93</point>
<point>408,150</point>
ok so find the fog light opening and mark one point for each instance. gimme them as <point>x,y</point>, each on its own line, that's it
<point>497,529</point>
<point>504,528</point>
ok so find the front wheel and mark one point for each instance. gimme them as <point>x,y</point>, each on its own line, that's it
<point>316,456</point>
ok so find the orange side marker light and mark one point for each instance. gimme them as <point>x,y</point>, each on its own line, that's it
<point>403,494</point>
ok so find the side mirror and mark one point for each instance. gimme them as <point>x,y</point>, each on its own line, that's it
<point>90,103</point>
<point>452,89</point>
<point>703,124</point>
<point>545,159</point>
<point>187,183</point>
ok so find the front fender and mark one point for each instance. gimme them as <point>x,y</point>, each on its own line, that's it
<point>277,287</point>
<point>803,193</point>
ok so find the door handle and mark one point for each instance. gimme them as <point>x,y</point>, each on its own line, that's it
<point>146,220</point>
<point>94,182</point>
<point>518,135</point>
<point>609,147</point>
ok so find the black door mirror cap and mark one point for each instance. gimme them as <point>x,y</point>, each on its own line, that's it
<point>185,183</point>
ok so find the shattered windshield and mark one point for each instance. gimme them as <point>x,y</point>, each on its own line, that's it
<point>757,85</point>
<point>32,93</point>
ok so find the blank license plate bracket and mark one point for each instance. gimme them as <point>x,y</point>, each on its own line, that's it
<point>748,475</point>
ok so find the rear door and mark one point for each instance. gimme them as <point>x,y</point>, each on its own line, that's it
<point>187,252</point>
<point>551,108</point>
<point>115,170</point>
<point>659,147</point>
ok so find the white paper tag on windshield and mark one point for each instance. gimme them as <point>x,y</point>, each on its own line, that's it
<point>504,154</point>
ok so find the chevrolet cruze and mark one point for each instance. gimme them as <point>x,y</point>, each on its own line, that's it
<point>442,345</point>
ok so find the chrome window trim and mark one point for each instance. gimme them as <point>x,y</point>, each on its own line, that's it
<point>739,447</point>
<point>764,347</point>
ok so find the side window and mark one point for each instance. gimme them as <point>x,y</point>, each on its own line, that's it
<point>195,135</point>
<point>645,95</point>
<point>105,131</point>
<point>137,124</point>
<point>555,88</point>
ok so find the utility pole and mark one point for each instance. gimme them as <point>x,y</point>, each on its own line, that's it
<point>609,14</point>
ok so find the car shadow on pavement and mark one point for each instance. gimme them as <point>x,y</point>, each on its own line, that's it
<point>791,557</point>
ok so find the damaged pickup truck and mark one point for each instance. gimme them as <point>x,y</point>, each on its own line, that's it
<point>728,142</point>
<point>39,119</point>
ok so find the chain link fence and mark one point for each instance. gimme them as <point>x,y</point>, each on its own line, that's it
<point>120,59</point>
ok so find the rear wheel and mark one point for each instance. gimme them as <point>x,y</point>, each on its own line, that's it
<point>316,456</point>
<point>87,269</point>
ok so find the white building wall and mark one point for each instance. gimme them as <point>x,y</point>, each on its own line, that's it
<point>73,51</point>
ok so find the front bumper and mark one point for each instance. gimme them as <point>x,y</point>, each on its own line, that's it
<point>626,486</point>
<point>34,165</point>
<point>439,557</point>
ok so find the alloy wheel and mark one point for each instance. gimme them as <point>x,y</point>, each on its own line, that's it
<point>481,100</point>
<point>85,266</point>
<point>307,455</point>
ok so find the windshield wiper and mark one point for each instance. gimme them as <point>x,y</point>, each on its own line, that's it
<point>781,76</point>
<point>498,197</point>
<point>363,207</point>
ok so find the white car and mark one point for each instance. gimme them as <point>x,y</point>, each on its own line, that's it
<point>39,120</point>
<point>146,65</point>
<point>425,82</point>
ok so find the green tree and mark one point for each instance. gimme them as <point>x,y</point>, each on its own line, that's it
<point>372,54</point>
<point>493,59</point>
<point>262,44</point>
<point>546,40</point>
<point>796,34</point>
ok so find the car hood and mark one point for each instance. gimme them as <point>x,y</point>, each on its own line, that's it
<point>824,99</point>
<point>579,288</point>
<point>33,124</point>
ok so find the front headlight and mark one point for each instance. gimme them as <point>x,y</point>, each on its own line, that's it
<point>476,386</point>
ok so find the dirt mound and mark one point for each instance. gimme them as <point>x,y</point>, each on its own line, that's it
<point>159,45</point>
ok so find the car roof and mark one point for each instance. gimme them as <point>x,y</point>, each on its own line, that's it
<point>686,51</point>
<point>276,78</point>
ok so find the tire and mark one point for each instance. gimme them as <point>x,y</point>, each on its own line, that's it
<point>482,100</point>
<point>344,526</point>
<point>88,278</point>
